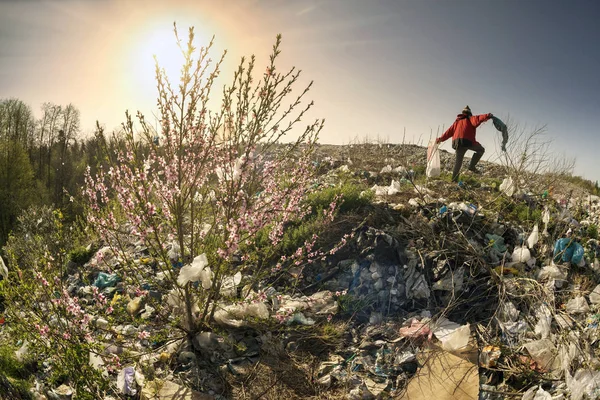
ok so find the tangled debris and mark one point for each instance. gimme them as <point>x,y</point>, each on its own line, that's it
<point>437,284</point>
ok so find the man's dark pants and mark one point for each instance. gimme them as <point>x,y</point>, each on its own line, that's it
<point>461,147</point>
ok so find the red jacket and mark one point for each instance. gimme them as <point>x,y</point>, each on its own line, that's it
<point>464,127</point>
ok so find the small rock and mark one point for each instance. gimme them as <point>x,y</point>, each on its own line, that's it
<point>186,357</point>
<point>101,323</point>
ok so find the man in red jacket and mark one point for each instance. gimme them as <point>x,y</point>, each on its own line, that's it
<point>462,133</point>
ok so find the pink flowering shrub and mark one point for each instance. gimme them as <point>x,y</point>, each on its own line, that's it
<point>208,181</point>
<point>53,321</point>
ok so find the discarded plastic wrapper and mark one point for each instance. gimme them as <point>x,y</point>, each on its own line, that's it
<point>198,270</point>
<point>507,187</point>
<point>521,254</point>
<point>568,250</point>
<point>489,356</point>
<point>126,381</point>
<point>433,169</point>
<point>595,295</point>
<point>584,383</point>
<point>417,329</point>
<point>543,352</point>
<point>452,335</point>
<point>536,393</point>
<point>578,305</point>
<point>105,280</point>
<point>534,237</point>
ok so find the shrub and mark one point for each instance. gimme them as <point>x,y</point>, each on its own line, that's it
<point>592,231</point>
<point>214,181</point>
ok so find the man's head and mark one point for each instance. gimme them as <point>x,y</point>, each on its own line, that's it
<point>467,111</point>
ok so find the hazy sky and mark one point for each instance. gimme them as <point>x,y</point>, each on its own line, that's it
<point>379,66</point>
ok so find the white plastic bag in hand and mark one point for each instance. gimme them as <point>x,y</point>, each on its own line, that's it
<point>433,160</point>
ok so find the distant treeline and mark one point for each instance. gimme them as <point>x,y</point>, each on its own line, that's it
<point>42,161</point>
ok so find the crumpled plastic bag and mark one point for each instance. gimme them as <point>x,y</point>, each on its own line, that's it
<point>536,393</point>
<point>508,186</point>
<point>416,329</point>
<point>198,270</point>
<point>507,312</point>
<point>498,242</point>
<point>126,381</point>
<point>416,284</point>
<point>534,237</point>
<point>577,305</point>
<point>542,327</point>
<point>521,254</point>
<point>552,272</point>
<point>568,250</point>
<point>595,295</point>
<point>3,269</point>
<point>234,315</point>
<point>452,281</point>
<point>230,284</point>
<point>433,169</point>
<point>22,352</point>
<point>104,280</point>
<point>543,352</point>
<point>584,383</point>
<point>452,335</point>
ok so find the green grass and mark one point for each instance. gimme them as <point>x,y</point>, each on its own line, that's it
<point>14,375</point>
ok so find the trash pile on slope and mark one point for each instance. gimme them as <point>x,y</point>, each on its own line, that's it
<point>445,286</point>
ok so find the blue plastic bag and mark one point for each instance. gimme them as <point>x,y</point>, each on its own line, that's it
<point>105,280</point>
<point>567,250</point>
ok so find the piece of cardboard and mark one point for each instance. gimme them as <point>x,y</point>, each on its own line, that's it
<point>443,376</point>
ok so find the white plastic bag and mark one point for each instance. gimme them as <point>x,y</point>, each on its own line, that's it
<point>534,237</point>
<point>433,160</point>
<point>584,383</point>
<point>198,270</point>
<point>452,335</point>
<point>577,305</point>
<point>595,295</point>
<point>507,187</point>
<point>521,254</point>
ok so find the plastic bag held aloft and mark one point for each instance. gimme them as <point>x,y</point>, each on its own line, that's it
<point>501,127</point>
<point>433,160</point>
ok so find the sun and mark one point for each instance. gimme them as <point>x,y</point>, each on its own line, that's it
<point>154,39</point>
<point>159,42</point>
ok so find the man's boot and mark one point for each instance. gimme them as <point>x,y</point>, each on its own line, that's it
<point>474,160</point>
